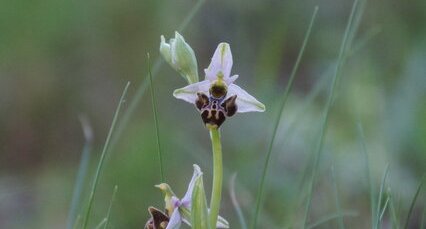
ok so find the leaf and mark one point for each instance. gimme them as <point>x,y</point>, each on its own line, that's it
<point>199,210</point>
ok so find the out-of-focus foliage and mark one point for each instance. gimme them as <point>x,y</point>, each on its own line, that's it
<point>60,59</point>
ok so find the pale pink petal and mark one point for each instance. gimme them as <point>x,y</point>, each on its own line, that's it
<point>186,200</point>
<point>189,93</point>
<point>221,62</point>
<point>232,79</point>
<point>175,220</point>
<point>245,102</point>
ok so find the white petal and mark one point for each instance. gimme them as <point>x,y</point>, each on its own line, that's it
<point>221,62</point>
<point>175,220</point>
<point>232,79</point>
<point>189,93</point>
<point>186,200</point>
<point>245,102</point>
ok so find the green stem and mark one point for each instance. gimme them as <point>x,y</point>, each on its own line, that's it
<point>217,176</point>
<point>102,159</point>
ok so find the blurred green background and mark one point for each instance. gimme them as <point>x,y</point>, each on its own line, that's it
<point>62,59</point>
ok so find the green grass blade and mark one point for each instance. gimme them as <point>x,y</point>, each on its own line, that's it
<point>413,202</point>
<point>102,223</point>
<point>357,20</point>
<point>277,121</point>
<point>157,129</point>
<point>140,91</point>
<point>340,61</point>
<point>379,202</point>
<point>77,222</point>
<point>332,217</point>
<point>320,84</point>
<point>367,171</point>
<point>392,209</point>
<point>369,35</point>
<point>199,208</point>
<point>384,209</point>
<point>102,158</point>
<point>82,171</point>
<point>190,15</point>
<point>336,196</point>
<point>114,192</point>
<point>359,8</point>
<point>234,201</point>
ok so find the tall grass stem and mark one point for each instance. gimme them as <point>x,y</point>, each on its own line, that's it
<point>336,197</point>
<point>413,202</point>
<point>235,203</point>
<point>331,217</point>
<point>140,91</point>
<point>100,224</point>
<point>379,201</point>
<point>102,158</point>
<point>157,129</point>
<point>82,170</point>
<point>114,192</point>
<point>278,118</point>
<point>384,209</point>
<point>340,61</point>
<point>395,221</point>
<point>361,138</point>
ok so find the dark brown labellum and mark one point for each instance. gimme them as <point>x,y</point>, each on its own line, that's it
<point>230,106</point>
<point>158,220</point>
<point>214,111</point>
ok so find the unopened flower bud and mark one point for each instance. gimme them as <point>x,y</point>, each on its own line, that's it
<point>181,57</point>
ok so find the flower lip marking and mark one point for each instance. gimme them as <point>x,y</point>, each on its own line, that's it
<point>215,110</point>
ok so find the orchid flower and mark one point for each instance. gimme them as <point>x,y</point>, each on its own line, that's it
<point>218,97</point>
<point>179,210</point>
